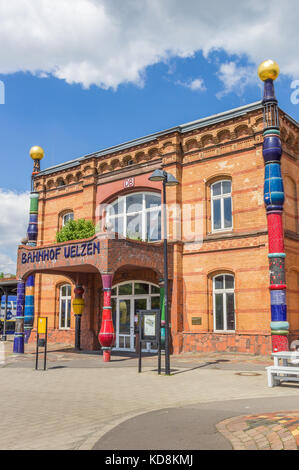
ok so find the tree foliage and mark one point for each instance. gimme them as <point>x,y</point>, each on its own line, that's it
<point>76,230</point>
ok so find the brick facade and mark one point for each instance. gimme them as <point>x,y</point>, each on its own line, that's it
<point>197,156</point>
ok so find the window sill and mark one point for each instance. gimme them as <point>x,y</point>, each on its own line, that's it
<point>221,230</point>
<point>219,234</point>
<point>224,332</point>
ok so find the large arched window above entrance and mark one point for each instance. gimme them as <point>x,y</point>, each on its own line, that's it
<point>136,216</point>
<point>224,302</point>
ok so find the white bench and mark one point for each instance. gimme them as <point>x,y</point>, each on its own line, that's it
<point>277,374</point>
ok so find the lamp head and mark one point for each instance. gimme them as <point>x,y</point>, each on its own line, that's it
<point>171,180</point>
<point>158,175</point>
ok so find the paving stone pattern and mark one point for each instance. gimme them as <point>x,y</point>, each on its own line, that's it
<point>269,431</point>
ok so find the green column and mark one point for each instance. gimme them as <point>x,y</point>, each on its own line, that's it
<point>162,308</point>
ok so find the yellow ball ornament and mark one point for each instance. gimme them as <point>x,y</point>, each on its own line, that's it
<point>36,153</point>
<point>268,69</point>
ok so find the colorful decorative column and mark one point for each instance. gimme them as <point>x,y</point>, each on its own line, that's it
<point>18,345</point>
<point>26,325</point>
<point>107,333</point>
<point>36,153</point>
<point>32,231</point>
<point>29,308</point>
<point>274,199</point>
<point>78,308</point>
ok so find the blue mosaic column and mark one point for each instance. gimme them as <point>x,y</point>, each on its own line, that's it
<point>32,231</point>
<point>274,199</point>
<point>18,345</point>
<point>32,234</point>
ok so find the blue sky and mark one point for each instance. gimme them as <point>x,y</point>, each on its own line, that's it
<point>69,121</point>
<point>83,75</point>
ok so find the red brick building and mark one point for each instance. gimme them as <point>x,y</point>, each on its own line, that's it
<point>218,245</point>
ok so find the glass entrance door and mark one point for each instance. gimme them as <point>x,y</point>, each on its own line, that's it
<point>123,317</point>
<point>139,304</point>
<point>124,325</point>
<point>127,299</point>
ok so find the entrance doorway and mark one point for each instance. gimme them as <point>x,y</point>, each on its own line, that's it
<point>127,299</point>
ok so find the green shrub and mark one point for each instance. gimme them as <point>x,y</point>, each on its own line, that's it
<point>76,230</point>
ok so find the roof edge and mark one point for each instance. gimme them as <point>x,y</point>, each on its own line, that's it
<point>183,128</point>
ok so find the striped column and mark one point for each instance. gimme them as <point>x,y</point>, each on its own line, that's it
<point>274,200</point>
<point>25,297</point>
<point>29,308</point>
<point>18,345</point>
<point>32,233</point>
<point>107,333</point>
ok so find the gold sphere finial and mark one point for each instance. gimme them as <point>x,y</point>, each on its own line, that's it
<point>268,69</point>
<point>36,153</point>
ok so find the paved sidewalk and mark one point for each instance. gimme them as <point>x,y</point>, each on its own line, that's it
<point>79,398</point>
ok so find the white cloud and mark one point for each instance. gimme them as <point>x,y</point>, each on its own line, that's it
<point>195,85</point>
<point>109,42</point>
<point>14,216</point>
<point>7,264</point>
<point>235,78</point>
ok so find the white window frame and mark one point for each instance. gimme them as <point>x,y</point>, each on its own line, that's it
<point>66,299</point>
<point>144,211</point>
<point>224,292</point>
<point>67,216</point>
<point>221,197</point>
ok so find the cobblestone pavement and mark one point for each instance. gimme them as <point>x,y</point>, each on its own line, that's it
<point>268,431</point>
<point>80,398</point>
<point>65,355</point>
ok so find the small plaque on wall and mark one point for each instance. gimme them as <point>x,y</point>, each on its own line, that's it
<point>196,320</point>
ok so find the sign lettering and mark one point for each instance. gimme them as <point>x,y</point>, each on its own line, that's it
<point>53,254</point>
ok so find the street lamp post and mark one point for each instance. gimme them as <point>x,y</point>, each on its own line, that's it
<point>167,180</point>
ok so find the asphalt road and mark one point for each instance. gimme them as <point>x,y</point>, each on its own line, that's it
<point>188,427</point>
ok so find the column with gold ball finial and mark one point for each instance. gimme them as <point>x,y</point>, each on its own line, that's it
<point>37,154</point>
<point>25,296</point>
<point>268,71</point>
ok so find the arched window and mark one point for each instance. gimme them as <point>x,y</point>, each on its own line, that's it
<point>136,216</point>
<point>65,293</point>
<point>60,183</point>
<point>221,205</point>
<point>224,302</point>
<point>66,217</point>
